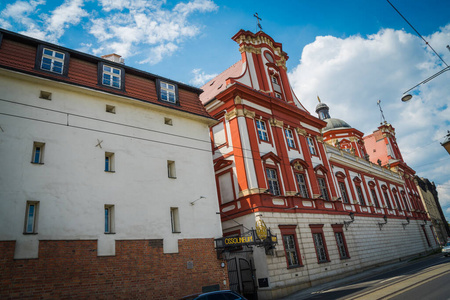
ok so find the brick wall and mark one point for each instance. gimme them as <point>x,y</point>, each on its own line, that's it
<point>139,270</point>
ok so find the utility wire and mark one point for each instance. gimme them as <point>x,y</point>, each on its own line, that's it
<point>417,33</point>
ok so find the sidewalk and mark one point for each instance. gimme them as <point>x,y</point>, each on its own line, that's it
<point>304,294</point>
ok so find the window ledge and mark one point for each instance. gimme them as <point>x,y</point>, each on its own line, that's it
<point>324,262</point>
<point>110,233</point>
<point>110,171</point>
<point>172,177</point>
<point>35,163</point>
<point>176,231</point>
<point>30,233</point>
<point>295,267</point>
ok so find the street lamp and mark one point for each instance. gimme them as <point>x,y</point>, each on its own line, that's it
<point>446,143</point>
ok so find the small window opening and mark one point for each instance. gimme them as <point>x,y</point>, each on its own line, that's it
<point>109,162</point>
<point>109,218</point>
<point>110,109</point>
<point>31,216</point>
<point>171,169</point>
<point>45,95</point>
<point>175,219</point>
<point>38,153</point>
<point>168,121</point>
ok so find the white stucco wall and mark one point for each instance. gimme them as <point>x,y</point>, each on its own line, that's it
<point>72,186</point>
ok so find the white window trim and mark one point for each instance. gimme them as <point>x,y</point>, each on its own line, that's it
<point>261,127</point>
<point>113,75</point>
<point>109,221</point>
<point>53,59</point>
<point>34,221</point>
<point>168,91</point>
<point>40,160</point>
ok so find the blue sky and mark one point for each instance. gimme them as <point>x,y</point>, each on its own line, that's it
<point>350,53</point>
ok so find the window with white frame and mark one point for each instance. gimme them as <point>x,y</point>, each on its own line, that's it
<point>397,201</point>
<point>375,198</point>
<point>360,195</point>
<point>111,76</point>
<point>262,131</point>
<point>31,216</point>
<point>312,148</point>
<point>168,92</point>
<point>175,220</point>
<point>289,138</point>
<point>109,162</point>
<point>272,181</point>
<point>386,198</point>
<point>343,192</point>
<point>323,188</point>
<point>52,61</point>
<point>109,218</point>
<point>38,153</point>
<point>303,190</point>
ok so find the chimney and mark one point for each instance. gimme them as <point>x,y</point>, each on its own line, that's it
<point>114,58</point>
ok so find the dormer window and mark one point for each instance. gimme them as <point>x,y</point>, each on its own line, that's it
<point>111,76</point>
<point>167,91</point>
<point>51,60</point>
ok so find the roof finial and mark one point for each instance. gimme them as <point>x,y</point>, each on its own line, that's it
<point>382,115</point>
<point>319,99</point>
<point>258,24</point>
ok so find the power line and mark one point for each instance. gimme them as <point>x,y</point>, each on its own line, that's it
<point>417,32</point>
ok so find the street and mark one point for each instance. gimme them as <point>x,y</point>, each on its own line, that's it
<point>426,278</point>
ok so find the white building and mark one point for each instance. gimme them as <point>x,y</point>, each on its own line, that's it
<point>104,158</point>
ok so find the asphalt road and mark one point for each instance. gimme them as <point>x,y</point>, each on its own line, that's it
<point>425,278</point>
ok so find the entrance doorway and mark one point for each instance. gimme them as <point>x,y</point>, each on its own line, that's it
<point>241,276</point>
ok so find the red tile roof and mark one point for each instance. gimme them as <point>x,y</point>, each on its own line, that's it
<point>218,83</point>
<point>18,53</point>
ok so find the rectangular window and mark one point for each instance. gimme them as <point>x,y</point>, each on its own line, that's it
<point>272,181</point>
<point>386,198</point>
<point>375,199</point>
<point>320,247</point>
<point>289,138</point>
<point>343,192</point>
<point>171,169</point>
<point>109,218</point>
<point>262,131</point>
<point>52,61</point>
<point>168,92</point>
<point>109,162</point>
<point>168,121</point>
<point>341,245</point>
<point>45,95</point>
<point>31,216</point>
<point>397,202</point>
<point>323,188</point>
<point>312,148</point>
<point>290,243</point>
<point>302,185</point>
<point>360,195</point>
<point>291,250</point>
<point>38,153</point>
<point>175,219</point>
<point>111,76</point>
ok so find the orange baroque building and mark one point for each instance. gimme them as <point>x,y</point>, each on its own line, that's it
<point>301,190</point>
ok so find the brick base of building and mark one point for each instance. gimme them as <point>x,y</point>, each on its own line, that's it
<point>139,270</point>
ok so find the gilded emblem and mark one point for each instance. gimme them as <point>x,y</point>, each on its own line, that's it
<point>261,229</point>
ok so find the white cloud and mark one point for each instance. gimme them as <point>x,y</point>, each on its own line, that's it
<point>136,23</point>
<point>351,74</point>
<point>118,26</point>
<point>157,53</point>
<point>19,12</point>
<point>69,13</point>
<point>200,78</point>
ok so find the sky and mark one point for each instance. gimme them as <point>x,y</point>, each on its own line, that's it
<point>351,53</point>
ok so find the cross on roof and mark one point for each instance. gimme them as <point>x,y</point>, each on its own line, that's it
<point>258,19</point>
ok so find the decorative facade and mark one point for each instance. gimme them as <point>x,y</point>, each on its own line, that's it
<point>307,180</point>
<point>106,181</point>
